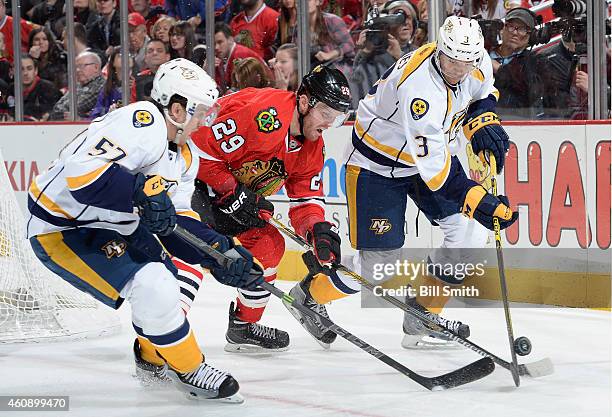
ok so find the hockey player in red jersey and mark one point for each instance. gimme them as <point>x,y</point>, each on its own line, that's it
<point>263,139</point>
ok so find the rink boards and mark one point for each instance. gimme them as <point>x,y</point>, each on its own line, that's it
<point>557,173</point>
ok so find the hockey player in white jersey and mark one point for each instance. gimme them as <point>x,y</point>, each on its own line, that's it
<point>94,213</point>
<point>407,133</point>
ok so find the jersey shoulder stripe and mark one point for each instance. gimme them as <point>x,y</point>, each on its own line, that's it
<point>418,57</point>
<point>39,196</point>
<point>187,157</point>
<point>75,183</point>
<point>478,74</point>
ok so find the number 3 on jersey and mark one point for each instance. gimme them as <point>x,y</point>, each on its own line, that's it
<point>227,128</point>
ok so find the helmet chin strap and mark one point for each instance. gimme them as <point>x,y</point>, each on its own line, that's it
<point>178,138</point>
<point>301,137</point>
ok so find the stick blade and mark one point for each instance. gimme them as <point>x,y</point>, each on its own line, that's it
<point>537,369</point>
<point>469,373</point>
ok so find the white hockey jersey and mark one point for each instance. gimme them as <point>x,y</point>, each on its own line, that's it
<point>91,183</point>
<point>411,121</point>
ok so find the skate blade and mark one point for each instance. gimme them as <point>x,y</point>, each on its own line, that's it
<point>420,342</point>
<point>298,317</point>
<point>232,399</point>
<point>250,349</point>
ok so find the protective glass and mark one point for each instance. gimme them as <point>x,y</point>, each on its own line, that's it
<point>326,114</point>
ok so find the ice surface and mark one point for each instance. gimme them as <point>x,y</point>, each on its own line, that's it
<point>345,381</point>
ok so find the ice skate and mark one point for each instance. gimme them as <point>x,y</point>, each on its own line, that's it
<point>316,329</point>
<point>207,383</point>
<point>149,374</point>
<point>245,337</point>
<point>418,335</point>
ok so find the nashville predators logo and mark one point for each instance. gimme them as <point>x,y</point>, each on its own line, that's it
<point>142,118</point>
<point>188,73</point>
<point>380,226</point>
<point>114,248</point>
<point>418,108</point>
<point>456,125</point>
<point>267,120</point>
<point>448,27</point>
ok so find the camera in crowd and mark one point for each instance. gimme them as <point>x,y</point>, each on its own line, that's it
<point>571,24</point>
<point>490,30</point>
<point>569,8</point>
<point>379,27</point>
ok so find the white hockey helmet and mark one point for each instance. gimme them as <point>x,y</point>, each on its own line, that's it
<point>461,39</point>
<point>184,78</point>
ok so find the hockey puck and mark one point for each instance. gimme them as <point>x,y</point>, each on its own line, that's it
<point>522,346</point>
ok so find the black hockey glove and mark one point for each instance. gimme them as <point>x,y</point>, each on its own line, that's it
<point>485,133</point>
<point>326,243</point>
<point>242,272</point>
<point>482,206</point>
<point>245,207</point>
<point>155,207</point>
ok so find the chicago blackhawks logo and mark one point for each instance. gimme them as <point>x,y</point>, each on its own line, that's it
<point>267,120</point>
<point>245,38</point>
<point>263,177</point>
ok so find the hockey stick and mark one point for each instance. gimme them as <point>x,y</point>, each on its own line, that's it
<point>469,373</point>
<point>536,369</point>
<point>514,369</point>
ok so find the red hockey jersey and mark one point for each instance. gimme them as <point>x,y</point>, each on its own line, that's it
<point>250,143</point>
<point>258,32</point>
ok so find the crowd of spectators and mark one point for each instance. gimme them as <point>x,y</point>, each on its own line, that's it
<point>255,46</point>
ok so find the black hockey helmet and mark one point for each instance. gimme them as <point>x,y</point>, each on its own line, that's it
<point>327,85</point>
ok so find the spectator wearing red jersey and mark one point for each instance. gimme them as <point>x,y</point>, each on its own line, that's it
<point>349,10</point>
<point>5,66</point>
<point>255,27</point>
<point>227,51</point>
<point>6,27</point>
